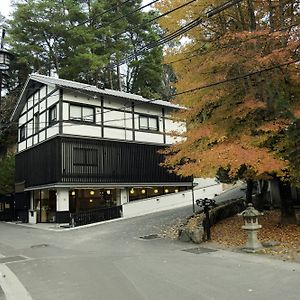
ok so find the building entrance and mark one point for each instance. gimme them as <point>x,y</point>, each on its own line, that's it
<point>44,202</point>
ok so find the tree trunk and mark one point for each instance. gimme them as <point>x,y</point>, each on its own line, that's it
<point>249,191</point>
<point>261,197</point>
<point>288,214</point>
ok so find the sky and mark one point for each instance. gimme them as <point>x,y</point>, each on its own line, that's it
<point>5,7</point>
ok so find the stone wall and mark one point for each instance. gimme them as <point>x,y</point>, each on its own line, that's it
<point>194,230</point>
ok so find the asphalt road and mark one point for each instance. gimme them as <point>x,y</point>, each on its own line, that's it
<point>112,261</point>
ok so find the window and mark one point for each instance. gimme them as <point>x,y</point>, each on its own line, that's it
<point>82,113</point>
<point>85,157</point>
<point>52,115</point>
<point>148,123</point>
<point>36,121</point>
<point>22,133</point>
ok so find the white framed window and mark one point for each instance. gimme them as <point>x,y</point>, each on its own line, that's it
<point>148,123</point>
<point>52,115</point>
<point>36,121</point>
<point>22,133</point>
<point>82,113</point>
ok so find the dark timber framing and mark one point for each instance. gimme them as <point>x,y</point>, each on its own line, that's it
<point>114,162</point>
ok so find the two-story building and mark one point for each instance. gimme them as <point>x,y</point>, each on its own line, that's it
<point>84,149</point>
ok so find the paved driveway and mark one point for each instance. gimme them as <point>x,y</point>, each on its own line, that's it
<point>111,261</point>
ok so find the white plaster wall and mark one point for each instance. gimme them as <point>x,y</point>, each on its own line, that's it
<point>43,120</point>
<point>29,128</point>
<point>149,137</point>
<point>22,120</point>
<point>82,130</point>
<point>155,204</point>
<point>148,109</point>
<point>175,126</point>
<point>117,118</point>
<point>111,133</point>
<point>22,146</point>
<point>53,130</point>
<point>173,139</point>
<point>65,111</point>
<point>43,105</point>
<point>29,142</point>
<point>113,103</point>
<point>81,98</point>
<point>52,99</point>
<point>42,136</point>
<point>29,103</point>
<point>43,92</point>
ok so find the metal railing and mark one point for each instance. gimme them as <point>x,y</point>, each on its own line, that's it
<point>93,216</point>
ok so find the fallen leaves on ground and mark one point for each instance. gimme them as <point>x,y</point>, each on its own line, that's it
<point>229,234</point>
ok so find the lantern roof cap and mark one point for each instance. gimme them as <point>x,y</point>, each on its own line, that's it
<point>250,211</point>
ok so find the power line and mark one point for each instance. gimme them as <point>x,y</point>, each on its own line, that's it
<point>98,15</point>
<point>154,19</point>
<point>235,78</point>
<point>176,33</point>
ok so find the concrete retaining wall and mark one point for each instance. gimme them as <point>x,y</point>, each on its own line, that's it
<point>205,188</point>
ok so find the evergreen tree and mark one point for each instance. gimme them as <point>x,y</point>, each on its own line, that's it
<point>80,40</point>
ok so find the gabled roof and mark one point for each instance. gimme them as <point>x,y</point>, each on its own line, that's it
<point>62,83</point>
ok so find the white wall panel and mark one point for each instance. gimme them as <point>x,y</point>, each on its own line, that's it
<point>117,118</point>
<point>53,130</point>
<point>29,142</point>
<point>43,120</point>
<point>43,105</point>
<point>148,109</point>
<point>52,99</point>
<point>22,146</point>
<point>65,111</point>
<point>22,120</point>
<point>82,130</point>
<point>149,137</point>
<point>111,133</point>
<point>43,92</point>
<point>30,114</point>
<point>119,103</point>
<point>29,103</point>
<point>82,99</point>
<point>175,126</point>
<point>29,128</point>
<point>35,139</point>
<point>42,136</point>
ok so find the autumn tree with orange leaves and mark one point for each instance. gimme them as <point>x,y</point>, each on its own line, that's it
<point>238,72</point>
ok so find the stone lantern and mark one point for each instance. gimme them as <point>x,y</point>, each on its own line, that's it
<point>250,215</point>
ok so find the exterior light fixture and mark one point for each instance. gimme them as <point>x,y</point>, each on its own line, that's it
<point>166,191</point>
<point>176,190</point>
<point>143,191</point>
<point>155,191</point>
<point>92,192</point>
<point>108,192</point>
<point>73,193</point>
<point>132,191</point>
<point>91,200</point>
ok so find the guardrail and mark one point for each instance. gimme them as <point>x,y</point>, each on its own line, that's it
<point>94,216</point>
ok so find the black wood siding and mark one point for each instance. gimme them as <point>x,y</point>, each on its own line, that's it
<point>92,161</point>
<point>40,164</point>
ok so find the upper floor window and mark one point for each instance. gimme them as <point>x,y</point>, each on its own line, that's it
<point>36,121</point>
<point>148,123</point>
<point>82,113</point>
<point>22,133</point>
<point>52,115</point>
